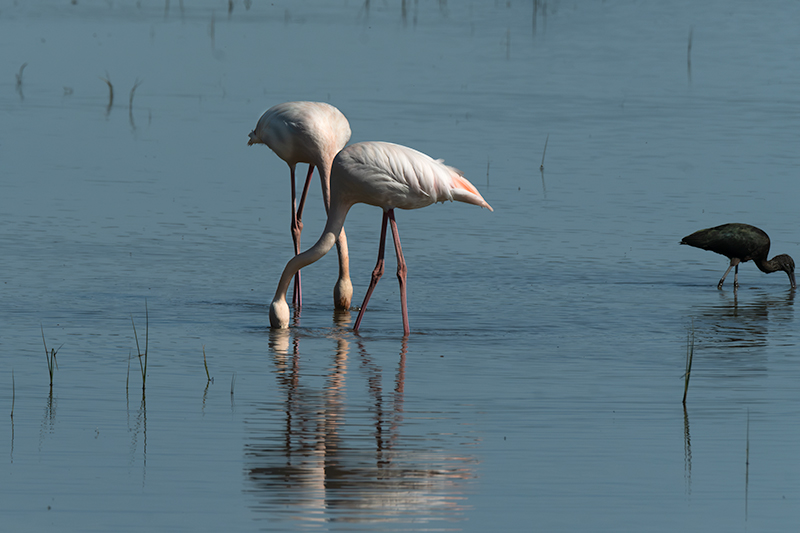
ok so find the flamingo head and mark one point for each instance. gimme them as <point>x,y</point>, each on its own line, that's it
<point>254,139</point>
<point>279,314</point>
<point>343,294</point>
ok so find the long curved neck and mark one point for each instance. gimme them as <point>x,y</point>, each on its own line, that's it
<point>324,169</point>
<point>343,290</point>
<point>333,227</point>
<point>773,265</point>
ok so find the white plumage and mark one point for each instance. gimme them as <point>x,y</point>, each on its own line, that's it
<point>388,176</point>
<point>312,133</point>
<point>303,132</point>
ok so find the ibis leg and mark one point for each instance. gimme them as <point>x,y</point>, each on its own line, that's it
<point>734,263</point>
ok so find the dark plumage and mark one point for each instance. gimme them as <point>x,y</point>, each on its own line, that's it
<point>741,243</point>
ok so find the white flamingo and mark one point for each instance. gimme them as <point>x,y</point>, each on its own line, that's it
<point>313,133</point>
<point>388,176</point>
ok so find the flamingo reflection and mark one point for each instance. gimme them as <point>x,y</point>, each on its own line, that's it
<point>341,456</point>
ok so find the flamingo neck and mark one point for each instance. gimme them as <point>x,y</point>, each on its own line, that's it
<point>343,290</point>
<point>279,310</point>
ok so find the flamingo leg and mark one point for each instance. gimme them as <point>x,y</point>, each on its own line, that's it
<point>297,229</point>
<point>377,273</point>
<point>402,270</point>
<point>303,201</point>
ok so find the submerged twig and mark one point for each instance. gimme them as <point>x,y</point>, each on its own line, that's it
<point>541,167</point>
<point>130,103</point>
<point>747,465</point>
<point>689,54</point>
<point>142,365</point>
<point>205,364</point>
<point>52,362</point>
<point>107,79</point>
<point>13,393</point>
<point>689,356</point>
<point>133,90</point>
<point>19,75</point>
<point>128,375</point>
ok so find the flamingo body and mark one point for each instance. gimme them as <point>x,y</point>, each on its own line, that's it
<point>741,243</point>
<point>392,176</point>
<point>388,176</point>
<point>312,133</point>
<point>303,132</point>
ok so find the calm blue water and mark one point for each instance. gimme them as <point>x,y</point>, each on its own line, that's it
<point>541,386</point>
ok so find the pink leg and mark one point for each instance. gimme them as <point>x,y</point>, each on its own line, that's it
<point>303,197</point>
<point>401,271</point>
<point>376,274</point>
<point>297,229</point>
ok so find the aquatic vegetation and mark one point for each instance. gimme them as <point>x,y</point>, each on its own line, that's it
<point>107,79</point>
<point>689,356</point>
<point>142,356</point>
<point>205,364</point>
<point>52,363</point>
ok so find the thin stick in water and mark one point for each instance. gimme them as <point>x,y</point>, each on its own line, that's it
<point>689,357</point>
<point>142,365</point>
<point>205,364</point>
<point>128,375</point>
<point>747,464</point>
<point>541,167</point>
<point>13,393</point>
<point>52,362</point>
<point>19,74</point>
<point>689,54</point>
<point>110,93</point>
<point>133,90</point>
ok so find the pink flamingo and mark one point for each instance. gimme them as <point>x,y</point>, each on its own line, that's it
<point>388,176</point>
<point>313,133</point>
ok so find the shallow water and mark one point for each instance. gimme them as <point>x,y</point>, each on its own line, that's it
<point>541,385</point>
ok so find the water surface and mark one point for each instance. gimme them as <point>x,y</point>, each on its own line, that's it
<point>541,385</point>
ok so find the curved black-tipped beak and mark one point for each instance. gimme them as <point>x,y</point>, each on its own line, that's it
<point>791,279</point>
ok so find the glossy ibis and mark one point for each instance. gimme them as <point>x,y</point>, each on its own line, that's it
<point>741,243</point>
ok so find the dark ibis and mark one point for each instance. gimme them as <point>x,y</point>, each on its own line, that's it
<point>741,243</point>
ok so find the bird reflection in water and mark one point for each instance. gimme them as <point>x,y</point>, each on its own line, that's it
<point>732,339</point>
<point>742,324</point>
<point>342,457</point>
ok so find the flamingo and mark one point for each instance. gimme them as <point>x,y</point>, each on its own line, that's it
<point>741,243</point>
<point>388,176</point>
<point>313,133</point>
